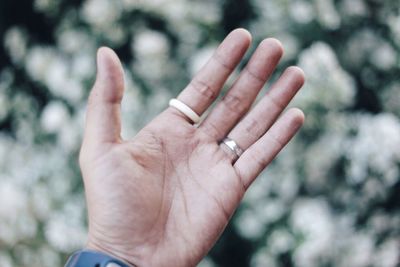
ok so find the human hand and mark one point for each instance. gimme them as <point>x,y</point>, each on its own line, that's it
<point>164,197</point>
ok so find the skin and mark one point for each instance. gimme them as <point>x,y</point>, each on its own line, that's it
<point>164,197</point>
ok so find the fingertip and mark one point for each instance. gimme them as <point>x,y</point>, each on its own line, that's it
<point>298,70</point>
<point>109,67</point>
<point>242,34</point>
<point>296,75</point>
<point>107,60</point>
<point>273,44</point>
<point>110,81</point>
<point>105,51</point>
<point>297,116</point>
<point>104,56</point>
<point>102,50</point>
<point>299,73</point>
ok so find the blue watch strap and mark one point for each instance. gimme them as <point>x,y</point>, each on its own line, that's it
<point>90,258</point>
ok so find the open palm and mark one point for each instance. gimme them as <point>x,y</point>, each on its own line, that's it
<point>164,197</point>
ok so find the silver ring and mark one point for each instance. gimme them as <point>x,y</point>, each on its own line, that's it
<point>233,146</point>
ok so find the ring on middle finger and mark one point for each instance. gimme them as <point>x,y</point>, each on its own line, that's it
<point>233,146</point>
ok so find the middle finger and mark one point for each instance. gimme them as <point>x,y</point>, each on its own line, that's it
<point>241,95</point>
<point>264,114</point>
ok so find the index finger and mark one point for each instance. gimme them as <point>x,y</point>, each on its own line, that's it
<point>206,85</point>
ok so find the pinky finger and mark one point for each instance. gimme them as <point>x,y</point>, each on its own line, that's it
<point>254,160</point>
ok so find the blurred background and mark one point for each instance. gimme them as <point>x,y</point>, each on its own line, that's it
<point>332,198</point>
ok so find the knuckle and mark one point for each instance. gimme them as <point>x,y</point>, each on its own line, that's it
<point>212,130</point>
<point>276,140</point>
<point>255,76</point>
<point>276,103</point>
<point>100,93</point>
<point>253,128</point>
<point>234,104</point>
<point>261,159</point>
<point>220,61</point>
<point>203,88</point>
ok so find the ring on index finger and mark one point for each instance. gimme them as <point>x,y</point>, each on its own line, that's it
<point>185,110</point>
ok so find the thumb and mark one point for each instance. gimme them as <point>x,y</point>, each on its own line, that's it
<point>103,118</point>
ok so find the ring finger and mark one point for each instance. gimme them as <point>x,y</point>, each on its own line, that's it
<point>240,97</point>
<point>265,113</point>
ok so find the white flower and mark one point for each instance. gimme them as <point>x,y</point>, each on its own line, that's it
<point>101,13</point>
<point>15,42</point>
<point>328,85</point>
<point>57,75</point>
<point>54,116</point>
<point>151,49</point>
<point>390,98</point>
<point>360,46</point>
<point>379,222</point>
<point>200,58</point>
<point>149,43</point>
<point>301,11</point>
<point>327,14</point>
<point>47,6</point>
<point>393,22</point>
<point>324,153</point>
<point>5,260</point>
<point>41,201</point>
<point>358,251</point>
<point>384,56</point>
<point>37,62</point>
<point>280,241</point>
<point>51,68</point>
<point>375,148</point>
<point>48,257</point>
<point>74,41</point>
<point>290,44</point>
<point>263,259</point>
<point>354,8</point>
<point>14,201</point>
<point>249,224</point>
<point>205,11</point>
<point>388,254</point>
<point>16,221</point>
<point>312,218</point>
<point>65,230</point>
<point>70,136</point>
<point>367,46</point>
<point>83,67</point>
<point>270,211</point>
